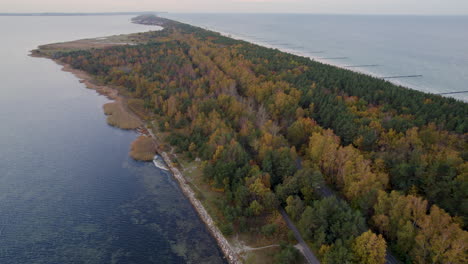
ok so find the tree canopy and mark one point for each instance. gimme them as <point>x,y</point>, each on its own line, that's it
<point>273,127</point>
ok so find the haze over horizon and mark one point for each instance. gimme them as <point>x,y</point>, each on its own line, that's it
<point>417,7</point>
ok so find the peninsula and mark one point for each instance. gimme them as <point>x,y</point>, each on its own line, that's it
<point>361,166</point>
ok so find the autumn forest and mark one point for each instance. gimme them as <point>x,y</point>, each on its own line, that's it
<point>279,130</point>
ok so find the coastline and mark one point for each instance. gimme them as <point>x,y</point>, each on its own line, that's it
<point>113,94</point>
<point>223,244</point>
<point>158,136</point>
<point>317,58</point>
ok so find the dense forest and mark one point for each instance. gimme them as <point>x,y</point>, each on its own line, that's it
<point>273,129</point>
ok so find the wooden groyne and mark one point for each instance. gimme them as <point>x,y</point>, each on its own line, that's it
<point>361,66</point>
<point>334,58</point>
<point>402,76</point>
<point>453,92</point>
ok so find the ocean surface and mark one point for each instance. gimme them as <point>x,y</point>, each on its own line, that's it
<point>69,193</point>
<point>435,47</point>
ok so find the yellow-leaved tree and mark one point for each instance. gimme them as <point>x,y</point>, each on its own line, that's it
<point>368,248</point>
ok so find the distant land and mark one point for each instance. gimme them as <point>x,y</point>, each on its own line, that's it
<point>82,14</point>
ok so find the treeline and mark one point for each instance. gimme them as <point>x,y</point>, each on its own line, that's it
<point>272,127</point>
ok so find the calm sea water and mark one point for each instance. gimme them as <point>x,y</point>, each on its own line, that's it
<point>69,193</point>
<point>433,46</point>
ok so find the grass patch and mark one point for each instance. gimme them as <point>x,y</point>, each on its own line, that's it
<point>138,107</point>
<point>118,117</point>
<point>143,148</point>
<point>194,175</point>
<point>263,256</point>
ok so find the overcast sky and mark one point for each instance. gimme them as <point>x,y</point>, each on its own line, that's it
<point>251,6</point>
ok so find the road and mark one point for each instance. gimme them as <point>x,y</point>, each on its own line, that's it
<point>390,259</point>
<point>310,257</point>
<point>325,192</point>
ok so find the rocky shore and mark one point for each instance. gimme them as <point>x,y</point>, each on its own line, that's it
<point>230,255</point>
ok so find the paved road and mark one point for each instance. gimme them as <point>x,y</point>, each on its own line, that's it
<point>325,192</point>
<point>310,257</point>
<point>390,259</point>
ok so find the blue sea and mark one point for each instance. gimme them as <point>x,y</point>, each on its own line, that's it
<point>435,47</point>
<point>69,192</point>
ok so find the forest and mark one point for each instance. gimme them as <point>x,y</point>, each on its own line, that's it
<point>274,129</point>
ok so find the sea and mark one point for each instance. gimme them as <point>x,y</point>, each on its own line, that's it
<point>434,48</point>
<point>69,193</point>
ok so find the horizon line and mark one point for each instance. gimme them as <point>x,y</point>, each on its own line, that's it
<point>213,12</point>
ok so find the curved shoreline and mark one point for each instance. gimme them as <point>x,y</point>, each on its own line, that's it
<point>224,245</point>
<point>111,93</point>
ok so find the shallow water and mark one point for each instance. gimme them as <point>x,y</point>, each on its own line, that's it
<point>69,193</point>
<point>432,46</point>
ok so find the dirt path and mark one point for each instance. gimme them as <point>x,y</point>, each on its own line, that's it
<point>241,248</point>
<point>303,247</point>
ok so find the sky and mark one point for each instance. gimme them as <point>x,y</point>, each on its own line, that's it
<point>421,7</point>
